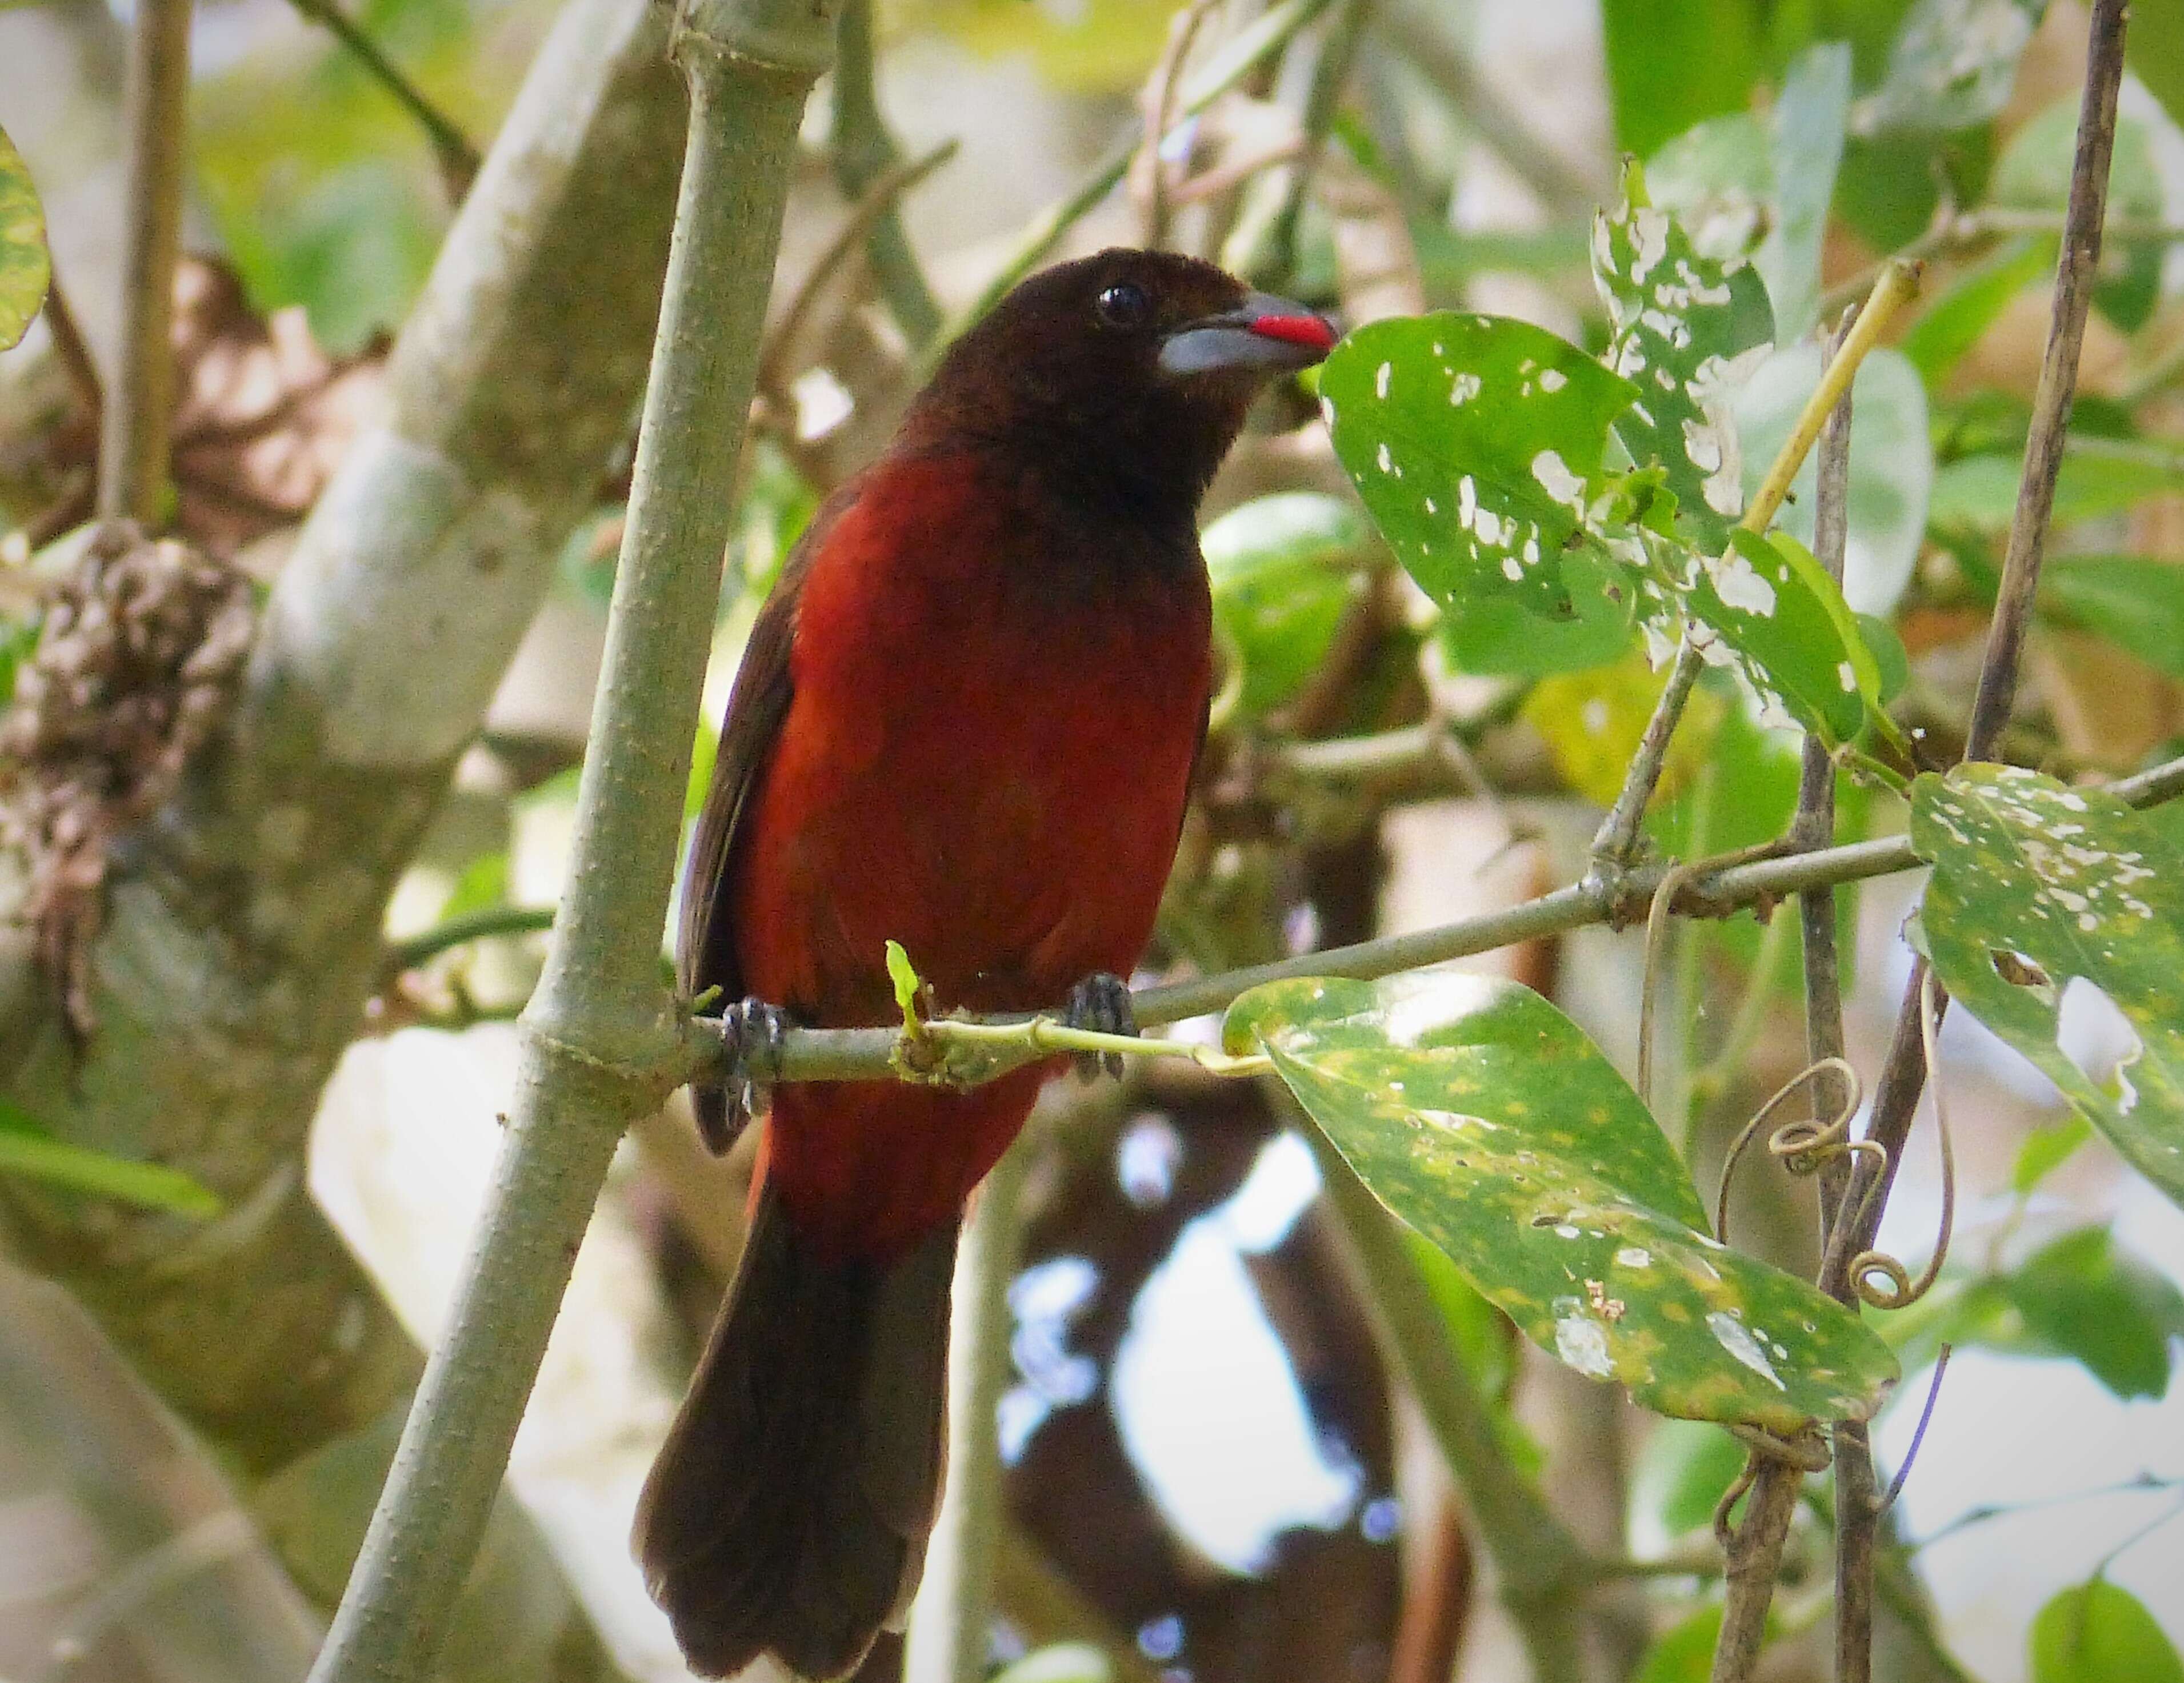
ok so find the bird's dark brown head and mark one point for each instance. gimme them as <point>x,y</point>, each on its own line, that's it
<point>1129,373</point>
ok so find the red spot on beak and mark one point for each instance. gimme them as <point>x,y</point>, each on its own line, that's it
<point>1310,330</point>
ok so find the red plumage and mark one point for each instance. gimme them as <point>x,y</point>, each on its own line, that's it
<point>965,722</point>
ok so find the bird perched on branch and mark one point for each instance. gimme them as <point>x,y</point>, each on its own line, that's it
<point>966,721</point>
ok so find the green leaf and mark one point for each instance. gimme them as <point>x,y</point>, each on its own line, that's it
<point>1670,66</point>
<point>1684,1653</point>
<point>1285,569</point>
<point>483,883</point>
<point>1891,659</point>
<point>2083,1296</point>
<point>2056,916</point>
<point>2135,601</point>
<point>1687,330</point>
<point>903,974</point>
<point>2034,174</point>
<point>1774,607</point>
<point>29,1149</point>
<point>2046,1149</point>
<point>1969,305</point>
<point>2153,48</point>
<point>1953,65</point>
<point>1809,115</point>
<point>1717,179</point>
<point>24,266</point>
<point>1979,492</point>
<point>1484,1118</point>
<point>1891,464</point>
<point>1061,1663</point>
<point>2099,1633</point>
<point>1473,442</point>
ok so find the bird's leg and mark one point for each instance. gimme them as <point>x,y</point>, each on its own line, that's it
<point>1101,1003</point>
<point>752,1033</point>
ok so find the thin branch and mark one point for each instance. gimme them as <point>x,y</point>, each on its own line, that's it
<point>457,155</point>
<point>863,151</point>
<point>601,1038</point>
<point>1238,57</point>
<point>1148,168</point>
<point>1962,233</point>
<point>68,345</point>
<point>882,196</point>
<point>1275,259</point>
<point>870,1054</point>
<point>1856,1507</point>
<point>1896,1095</point>
<point>1617,843</point>
<point>1755,1561</point>
<point>135,425</point>
<point>426,945</point>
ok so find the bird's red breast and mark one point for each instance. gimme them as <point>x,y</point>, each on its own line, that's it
<point>986,758</point>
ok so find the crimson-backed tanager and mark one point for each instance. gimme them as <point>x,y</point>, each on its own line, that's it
<point>966,720</point>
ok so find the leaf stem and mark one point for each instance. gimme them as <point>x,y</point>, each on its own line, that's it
<point>137,423</point>
<point>488,921</point>
<point>1617,843</point>
<point>1897,287</point>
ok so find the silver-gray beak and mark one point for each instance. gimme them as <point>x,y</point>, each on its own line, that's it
<point>1265,333</point>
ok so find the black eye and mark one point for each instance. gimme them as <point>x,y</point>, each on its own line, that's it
<point>1125,305</point>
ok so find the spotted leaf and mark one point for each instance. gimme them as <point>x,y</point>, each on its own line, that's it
<point>1687,330</point>
<point>1474,441</point>
<point>1771,609</point>
<point>25,267</point>
<point>1484,1118</point>
<point>2056,916</point>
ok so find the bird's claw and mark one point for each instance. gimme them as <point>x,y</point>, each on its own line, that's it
<point>1101,1004</point>
<point>752,1035</point>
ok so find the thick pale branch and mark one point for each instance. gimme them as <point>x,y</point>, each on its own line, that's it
<point>601,1037</point>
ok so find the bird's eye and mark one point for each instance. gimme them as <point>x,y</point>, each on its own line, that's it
<point>1125,305</point>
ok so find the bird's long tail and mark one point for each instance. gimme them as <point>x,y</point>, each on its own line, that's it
<point>788,1510</point>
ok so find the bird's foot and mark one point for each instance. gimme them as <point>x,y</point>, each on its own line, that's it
<point>752,1033</point>
<point>1101,1003</point>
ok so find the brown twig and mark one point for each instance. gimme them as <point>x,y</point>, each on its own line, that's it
<point>1896,1095</point>
<point>1149,180</point>
<point>879,201</point>
<point>1859,1211</point>
<point>69,346</point>
<point>135,425</point>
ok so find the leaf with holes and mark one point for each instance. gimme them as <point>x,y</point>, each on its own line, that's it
<point>1687,330</point>
<point>2056,916</point>
<point>1474,441</point>
<point>1484,1118</point>
<point>1952,66</point>
<point>1784,621</point>
<point>24,266</point>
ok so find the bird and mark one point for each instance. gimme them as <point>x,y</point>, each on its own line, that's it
<point>966,720</point>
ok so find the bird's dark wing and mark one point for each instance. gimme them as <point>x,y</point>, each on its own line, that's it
<point>704,939</point>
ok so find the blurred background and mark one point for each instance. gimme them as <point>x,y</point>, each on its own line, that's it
<point>1210,1475</point>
